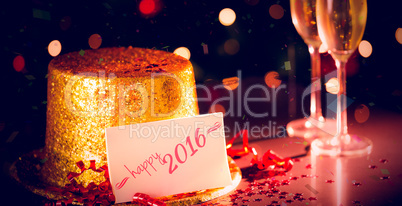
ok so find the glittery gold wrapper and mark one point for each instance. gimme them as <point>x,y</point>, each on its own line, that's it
<point>92,90</point>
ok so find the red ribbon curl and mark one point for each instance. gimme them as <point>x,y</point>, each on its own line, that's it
<point>102,193</point>
<point>145,199</point>
<point>269,160</point>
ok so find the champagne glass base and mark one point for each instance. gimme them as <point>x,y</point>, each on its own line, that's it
<point>308,130</point>
<point>350,145</point>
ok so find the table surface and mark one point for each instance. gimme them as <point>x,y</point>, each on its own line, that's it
<point>318,180</point>
<point>330,180</point>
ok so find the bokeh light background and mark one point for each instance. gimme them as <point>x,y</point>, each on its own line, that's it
<point>219,38</point>
<point>262,39</point>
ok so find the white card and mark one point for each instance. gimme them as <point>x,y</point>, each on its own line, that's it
<point>167,157</point>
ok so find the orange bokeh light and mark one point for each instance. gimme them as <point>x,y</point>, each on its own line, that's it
<point>398,35</point>
<point>231,83</point>
<point>276,11</point>
<point>217,108</point>
<point>365,48</point>
<point>227,17</point>
<point>183,52</point>
<point>94,41</point>
<point>272,79</point>
<point>54,48</point>
<point>231,46</point>
<point>362,113</point>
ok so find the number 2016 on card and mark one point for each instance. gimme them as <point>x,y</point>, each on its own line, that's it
<point>180,151</point>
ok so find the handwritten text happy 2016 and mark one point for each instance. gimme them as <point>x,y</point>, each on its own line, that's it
<point>180,154</point>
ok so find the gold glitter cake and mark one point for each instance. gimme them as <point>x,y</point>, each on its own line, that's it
<point>91,90</point>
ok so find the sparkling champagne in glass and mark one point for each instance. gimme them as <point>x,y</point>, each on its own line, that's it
<point>304,19</point>
<point>341,25</point>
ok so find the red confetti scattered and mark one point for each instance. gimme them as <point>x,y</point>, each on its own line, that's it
<point>372,167</point>
<point>245,200</point>
<point>384,161</point>
<point>285,182</point>
<point>312,198</point>
<point>248,189</point>
<point>275,190</point>
<point>293,178</point>
<point>254,183</point>
<point>357,184</point>
<point>239,191</point>
<point>274,183</point>
<point>308,166</point>
<point>298,196</point>
<point>329,181</point>
<point>385,177</point>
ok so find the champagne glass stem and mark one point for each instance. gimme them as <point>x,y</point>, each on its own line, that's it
<point>315,102</point>
<point>341,110</point>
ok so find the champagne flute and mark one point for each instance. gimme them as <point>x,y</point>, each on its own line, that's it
<point>341,25</point>
<point>304,19</point>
